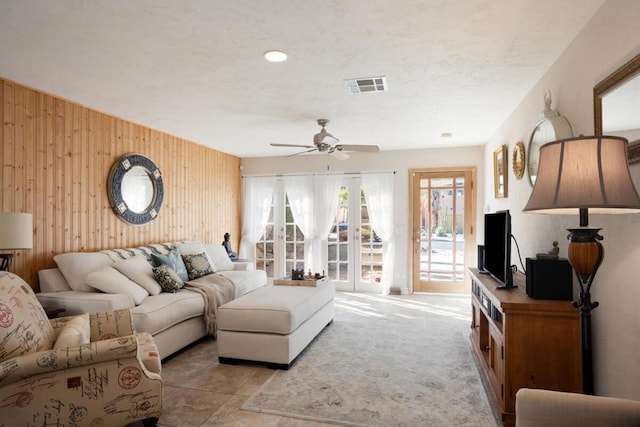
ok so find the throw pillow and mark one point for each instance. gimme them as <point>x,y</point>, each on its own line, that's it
<point>197,265</point>
<point>75,266</point>
<point>108,279</point>
<point>24,326</point>
<point>138,269</point>
<point>195,247</point>
<point>172,260</point>
<point>75,333</point>
<point>168,279</point>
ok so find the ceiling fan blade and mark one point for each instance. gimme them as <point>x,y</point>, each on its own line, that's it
<point>291,145</point>
<point>363,148</point>
<point>302,152</point>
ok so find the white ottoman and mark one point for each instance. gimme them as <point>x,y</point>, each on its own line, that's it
<point>273,324</point>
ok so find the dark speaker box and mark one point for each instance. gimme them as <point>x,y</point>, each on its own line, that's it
<point>481,257</point>
<point>550,279</point>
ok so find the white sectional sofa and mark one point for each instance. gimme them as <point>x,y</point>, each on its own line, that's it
<point>88,282</point>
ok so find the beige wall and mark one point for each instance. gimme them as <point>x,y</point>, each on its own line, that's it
<point>56,156</point>
<point>609,40</point>
<point>401,162</point>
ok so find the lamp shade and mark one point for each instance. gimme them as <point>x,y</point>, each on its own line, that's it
<point>584,172</point>
<point>16,230</point>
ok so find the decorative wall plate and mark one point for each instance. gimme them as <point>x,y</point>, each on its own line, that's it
<point>518,160</point>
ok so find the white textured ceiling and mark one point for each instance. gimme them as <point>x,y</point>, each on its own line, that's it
<point>194,68</point>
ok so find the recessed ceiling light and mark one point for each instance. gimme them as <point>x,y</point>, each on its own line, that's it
<point>275,56</point>
<point>445,135</point>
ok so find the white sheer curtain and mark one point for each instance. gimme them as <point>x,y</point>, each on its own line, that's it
<point>257,195</point>
<point>314,202</point>
<point>378,194</point>
<point>299,191</point>
<point>327,190</point>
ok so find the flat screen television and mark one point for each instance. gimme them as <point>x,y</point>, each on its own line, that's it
<point>497,247</point>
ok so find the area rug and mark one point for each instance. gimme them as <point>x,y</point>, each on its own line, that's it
<point>409,368</point>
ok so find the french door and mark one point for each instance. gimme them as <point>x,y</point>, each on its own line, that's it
<point>352,253</point>
<point>281,247</point>
<point>443,218</point>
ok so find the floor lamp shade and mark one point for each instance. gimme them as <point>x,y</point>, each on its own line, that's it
<point>584,172</point>
<point>16,230</point>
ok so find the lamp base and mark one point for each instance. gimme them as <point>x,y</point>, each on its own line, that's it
<point>5,261</point>
<point>585,255</point>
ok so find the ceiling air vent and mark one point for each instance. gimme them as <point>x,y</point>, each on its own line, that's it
<point>367,84</point>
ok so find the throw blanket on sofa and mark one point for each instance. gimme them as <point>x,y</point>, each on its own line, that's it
<point>216,290</point>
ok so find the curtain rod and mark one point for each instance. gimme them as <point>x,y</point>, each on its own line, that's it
<point>280,175</point>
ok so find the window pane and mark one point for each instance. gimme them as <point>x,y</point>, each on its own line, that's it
<point>269,232</point>
<point>442,182</point>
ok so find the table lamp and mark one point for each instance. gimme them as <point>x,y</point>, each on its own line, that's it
<point>16,232</point>
<point>578,176</point>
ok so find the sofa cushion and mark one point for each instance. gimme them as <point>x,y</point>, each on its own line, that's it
<point>173,260</point>
<point>138,269</point>
<point>108,279</point>
<point>167,278</point>
<point>78,302</point>
<point>75,266</point>
<point>24,326</point>
<point>197,265</point>
<point>274,309</point>
<point>76,332</point>
<point>194,247</point>
<point>246,281</point>
<point>220,258</point>
<point>160,312</point>
<point>52,280</point>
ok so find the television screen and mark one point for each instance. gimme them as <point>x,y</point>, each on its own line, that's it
<point>497,247</point>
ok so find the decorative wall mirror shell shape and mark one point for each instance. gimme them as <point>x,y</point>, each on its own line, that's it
<point>551,127</point>
<point>616,102</point>
<point>135,189</point>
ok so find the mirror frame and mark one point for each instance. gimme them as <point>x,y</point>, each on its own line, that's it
<point>114,189</point>
<point>618,78</point>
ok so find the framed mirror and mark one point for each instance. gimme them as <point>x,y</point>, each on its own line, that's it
<point>616,106</point>
<point>135,189</point>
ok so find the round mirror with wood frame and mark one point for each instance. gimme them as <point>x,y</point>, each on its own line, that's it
<point>135,189</point>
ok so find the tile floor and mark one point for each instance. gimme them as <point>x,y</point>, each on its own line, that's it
<point>198,391</point>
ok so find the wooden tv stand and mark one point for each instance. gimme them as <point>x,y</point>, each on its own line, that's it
<point>523,342</point>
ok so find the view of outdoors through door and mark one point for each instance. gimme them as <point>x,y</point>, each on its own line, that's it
<point>271,254</point>
<point>440,219</point>
<point>353,250</point>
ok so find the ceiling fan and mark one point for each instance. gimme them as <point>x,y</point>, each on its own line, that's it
<point>323,142</point>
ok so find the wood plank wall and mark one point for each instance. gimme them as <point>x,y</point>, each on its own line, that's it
<point>56,156</point>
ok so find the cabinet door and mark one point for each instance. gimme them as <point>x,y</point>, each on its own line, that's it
<point>496,362</point>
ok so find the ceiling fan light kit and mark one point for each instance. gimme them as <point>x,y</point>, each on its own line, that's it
<point>323,142</point>
<point>339,155</point>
